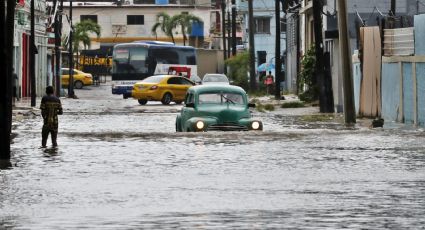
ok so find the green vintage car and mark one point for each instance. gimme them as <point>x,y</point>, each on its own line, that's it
<point>215,108</point>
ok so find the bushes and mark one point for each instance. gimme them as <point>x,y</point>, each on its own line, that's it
<point>306,77</point>
<point>239,68</point>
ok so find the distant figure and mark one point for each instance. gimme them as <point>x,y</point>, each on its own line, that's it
<point>15,85</point>
<point>269,82</point>
<point>50,107</point>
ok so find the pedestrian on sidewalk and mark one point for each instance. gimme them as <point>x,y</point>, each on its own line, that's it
<point>50,107</point>
<point>269,83</point>
<point>15,85</point>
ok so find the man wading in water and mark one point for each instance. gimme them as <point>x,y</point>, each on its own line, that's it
<point>50,107</point>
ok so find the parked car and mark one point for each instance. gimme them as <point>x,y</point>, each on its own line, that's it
<point>216,107</point>
<point>164,88</point>
<point>215,78</point>
<point>81,79</point>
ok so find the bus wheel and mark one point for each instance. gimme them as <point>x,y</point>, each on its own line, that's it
<point>166,99</point>
<point>78,85</point>
<point>142,102</point>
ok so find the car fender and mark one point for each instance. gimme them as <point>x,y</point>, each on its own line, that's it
<point>178,123</point>
<point>190,123</point>
<point>247,122</point>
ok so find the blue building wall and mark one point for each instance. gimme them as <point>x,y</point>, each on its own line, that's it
<point>263,42</point>
<point>419,34</point>
<point>390,87</point>
<point>408,101</point>
<point>420,83</point>
<point>357,79</point>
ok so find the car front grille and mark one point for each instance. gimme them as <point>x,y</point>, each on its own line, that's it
<point>227,127</point>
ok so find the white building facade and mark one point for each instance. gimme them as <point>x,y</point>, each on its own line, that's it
<point>132,21</point>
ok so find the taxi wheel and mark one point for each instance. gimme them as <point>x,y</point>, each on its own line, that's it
<point>142,102</point>
<point>166,99</point>
<point>78,84</point>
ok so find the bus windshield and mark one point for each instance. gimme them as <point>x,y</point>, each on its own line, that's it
<point>130,60</point>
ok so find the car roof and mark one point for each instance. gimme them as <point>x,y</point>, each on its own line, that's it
<point>216,88</point>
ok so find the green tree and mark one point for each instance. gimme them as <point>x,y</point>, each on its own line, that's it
<point>307,86</point>
<point>185,21</point>
<point>163,21</point>
<point>81,35</point>
<point>239,68</point>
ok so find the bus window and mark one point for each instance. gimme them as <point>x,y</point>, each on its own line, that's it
<point>138,60</point>
<point>165,55</point>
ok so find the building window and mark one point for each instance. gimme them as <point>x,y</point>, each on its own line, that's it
<point>93,18</point>
<point>262,25</point>
<point>283,25</point>
<point>135,20</point>
<point>144,1</point>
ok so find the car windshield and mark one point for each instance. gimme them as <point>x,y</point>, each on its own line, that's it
<point>153,79</point>
<point>215,78</point>
<point>219,98</point>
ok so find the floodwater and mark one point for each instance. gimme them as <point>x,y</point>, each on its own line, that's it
<point>122,166</point>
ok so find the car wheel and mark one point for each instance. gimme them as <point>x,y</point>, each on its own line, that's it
<point>166,99</point>
<point>179,102</point>
<point>78,84</point>
<point>142,102</point>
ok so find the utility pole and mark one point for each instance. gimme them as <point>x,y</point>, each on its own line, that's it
<point>71,56</point>
<point>6,82</point>
<point>326,104</point>
<point>393,7</point>
<point>228,34</point>
<point>32,57</point>
<point>278,64</point>
<point>223,31</point>
<point>58,35</point>
<point>252,77</point>
<point>233,28</point>
<point>349,111</point>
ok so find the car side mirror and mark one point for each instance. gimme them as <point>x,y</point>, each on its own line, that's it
<point>251,105</point>
<point>190,105</point>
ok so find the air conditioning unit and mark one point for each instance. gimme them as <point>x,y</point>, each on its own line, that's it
<point>119,29</point>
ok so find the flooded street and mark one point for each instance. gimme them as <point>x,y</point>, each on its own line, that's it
<point>120,165</point>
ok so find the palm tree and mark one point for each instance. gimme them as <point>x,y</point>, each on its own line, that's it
<point>81,34</point>
<point>163,21</point>
<point>185,21</point>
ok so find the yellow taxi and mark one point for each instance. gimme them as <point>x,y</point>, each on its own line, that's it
<point>164,88</point>
<point>80,78</point>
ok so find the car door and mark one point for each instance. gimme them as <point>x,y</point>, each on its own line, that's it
<point>173,84</point>
<point>187,112</point>
<point>185,85</point>
<point>65,76</point>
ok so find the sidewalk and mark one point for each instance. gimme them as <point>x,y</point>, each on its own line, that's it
<point>22,109</point>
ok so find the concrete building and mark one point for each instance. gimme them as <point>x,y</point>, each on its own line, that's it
<point>264,31</point>
<point>127,21</point>
<point>360,13</point>
<point>43,73</point>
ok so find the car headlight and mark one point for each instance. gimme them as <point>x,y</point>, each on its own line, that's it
<point>255,125</point>
<point>200,125</point>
